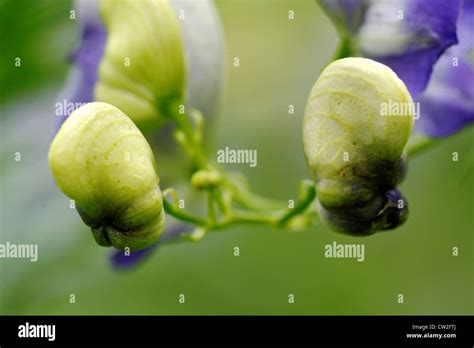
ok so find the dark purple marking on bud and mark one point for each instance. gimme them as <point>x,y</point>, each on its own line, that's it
<point>383,212</point>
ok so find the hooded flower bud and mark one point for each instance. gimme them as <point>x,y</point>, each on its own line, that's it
<point>142,71</point>
<point>354,143</point>
<point>111,43</point>
<point>100,159</point>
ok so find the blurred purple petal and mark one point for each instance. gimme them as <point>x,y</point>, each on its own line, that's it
<point>347,15</point>
<point>92,34</point>
<point>120,261</point>
<point>86,58</point>
<point>448,103</point>
<point>407,35</point>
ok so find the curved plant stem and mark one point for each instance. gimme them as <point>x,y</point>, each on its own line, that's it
<point>187,138</point>
<point>229,188</point>
<point>307,195</point>
<point>181,215</point>
<point>243,195</point>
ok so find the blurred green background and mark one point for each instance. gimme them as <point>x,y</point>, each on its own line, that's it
<point>279,61</point>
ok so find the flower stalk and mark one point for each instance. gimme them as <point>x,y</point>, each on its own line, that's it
<point>225,190</point>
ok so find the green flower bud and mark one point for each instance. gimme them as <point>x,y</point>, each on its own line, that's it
<point>142,71</point>
<point>352,146</point>
<point>100,159</point>
<point>206,179</point>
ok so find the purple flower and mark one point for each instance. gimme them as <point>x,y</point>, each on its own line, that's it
<point>86,58</point>
<point>413,37</point>
<point>447,105</point>
<point>407,35</point>
<point>121,261</point>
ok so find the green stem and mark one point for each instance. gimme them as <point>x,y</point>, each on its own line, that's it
<point>181,215</point>
<point>345,48</point>
<point>308,193</point>
<point>258,210</point>
<point>193,145</point>
<point>253,201</point>
<point>211,214</point>
<point>224,206</point>
<point>244,217</point>
<point>237,217</point>
<point>243,195</point>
